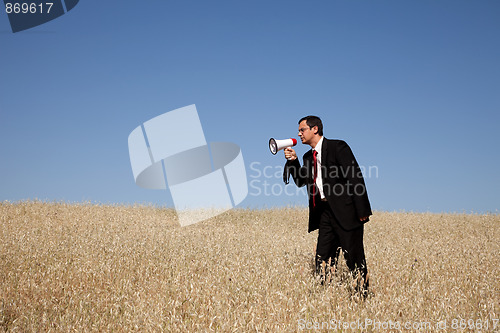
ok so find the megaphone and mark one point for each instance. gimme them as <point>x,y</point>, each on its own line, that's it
<point>277,145</point>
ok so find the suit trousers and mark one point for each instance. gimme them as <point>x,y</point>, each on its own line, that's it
<point>332,238</point>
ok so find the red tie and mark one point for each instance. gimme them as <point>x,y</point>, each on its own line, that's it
<point>315,160</point>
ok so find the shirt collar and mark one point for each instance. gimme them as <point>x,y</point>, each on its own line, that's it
<point>319,145</point>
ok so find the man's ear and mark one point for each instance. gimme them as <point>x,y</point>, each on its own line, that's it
<point>315,129</point>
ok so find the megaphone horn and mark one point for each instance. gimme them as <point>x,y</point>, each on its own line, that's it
<point>277,145</point>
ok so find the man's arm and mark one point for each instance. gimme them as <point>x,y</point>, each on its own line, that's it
<point>352,172</point>
<point>293,168</point>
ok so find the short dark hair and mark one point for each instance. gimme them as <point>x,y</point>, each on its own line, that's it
<point>312,121</point>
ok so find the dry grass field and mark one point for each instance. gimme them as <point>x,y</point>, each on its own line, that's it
<point>95,268</point>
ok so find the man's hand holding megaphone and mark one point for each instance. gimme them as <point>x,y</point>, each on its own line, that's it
<point>290,154</point>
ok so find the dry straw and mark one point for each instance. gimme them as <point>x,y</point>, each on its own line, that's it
<point>95,268</point>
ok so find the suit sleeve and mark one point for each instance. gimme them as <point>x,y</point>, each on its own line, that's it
<point>353,174</point>
<point>293,168</point>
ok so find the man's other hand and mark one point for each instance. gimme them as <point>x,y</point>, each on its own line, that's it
<point>290,154</point>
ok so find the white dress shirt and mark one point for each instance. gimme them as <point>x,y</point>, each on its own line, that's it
<point>319,179</point>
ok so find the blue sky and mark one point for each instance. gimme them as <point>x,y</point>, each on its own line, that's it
<point>412,86</point>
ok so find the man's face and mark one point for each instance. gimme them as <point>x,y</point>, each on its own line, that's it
<point>305,133</point>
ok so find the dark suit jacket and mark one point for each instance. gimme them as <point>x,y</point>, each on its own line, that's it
<point>343,184</point>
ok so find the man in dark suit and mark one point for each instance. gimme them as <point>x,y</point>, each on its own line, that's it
<point>338,201</point>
